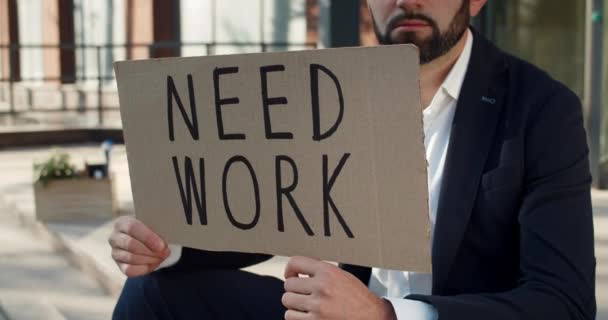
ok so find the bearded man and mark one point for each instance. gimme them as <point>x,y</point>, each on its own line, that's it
<point>510,205</point>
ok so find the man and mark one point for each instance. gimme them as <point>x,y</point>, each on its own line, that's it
<point>510,205</point>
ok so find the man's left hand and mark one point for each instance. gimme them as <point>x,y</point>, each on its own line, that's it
<point>327,292</point>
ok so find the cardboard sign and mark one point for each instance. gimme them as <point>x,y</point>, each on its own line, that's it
<point>317,153</point>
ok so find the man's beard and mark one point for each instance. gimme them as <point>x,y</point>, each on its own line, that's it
<point>438,43</point>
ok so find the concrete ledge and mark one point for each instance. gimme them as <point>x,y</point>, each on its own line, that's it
<point>27,137</point>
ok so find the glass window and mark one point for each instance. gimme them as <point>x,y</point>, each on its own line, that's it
<point>547,33</point>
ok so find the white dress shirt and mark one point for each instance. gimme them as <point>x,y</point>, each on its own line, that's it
<point>394,285</point>
<point>437,119</point>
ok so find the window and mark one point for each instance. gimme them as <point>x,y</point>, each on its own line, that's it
<point>547,33</point>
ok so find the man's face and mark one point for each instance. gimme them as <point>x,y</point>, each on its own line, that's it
<point>435,26</point>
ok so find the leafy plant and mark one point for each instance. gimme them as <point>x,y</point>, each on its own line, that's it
<point>58,166</point>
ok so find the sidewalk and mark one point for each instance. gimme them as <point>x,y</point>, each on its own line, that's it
<point>85,244</point>
<point>600,204</point>
<point>36,282</point>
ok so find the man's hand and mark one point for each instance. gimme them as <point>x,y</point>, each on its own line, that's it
<point>329,293</point>
<point>135,248</point>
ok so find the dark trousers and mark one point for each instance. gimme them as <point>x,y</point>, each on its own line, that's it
<point>204,294</point>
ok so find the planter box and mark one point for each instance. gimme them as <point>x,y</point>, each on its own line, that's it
<point>75,199</point>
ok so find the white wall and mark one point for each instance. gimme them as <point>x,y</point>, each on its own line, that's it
<point>30,33</point>
<point>195,25</point>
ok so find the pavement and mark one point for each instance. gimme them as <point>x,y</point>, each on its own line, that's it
<point>66,267</point>
<point>600,212</point>
<point>38,283</point>
<point>64,270</point>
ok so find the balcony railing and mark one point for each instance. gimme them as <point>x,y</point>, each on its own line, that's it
<point>101,76</point>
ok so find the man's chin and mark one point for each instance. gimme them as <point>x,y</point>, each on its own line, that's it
<point>409,38</point>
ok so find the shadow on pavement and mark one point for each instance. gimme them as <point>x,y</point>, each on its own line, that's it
<point>600,212</point>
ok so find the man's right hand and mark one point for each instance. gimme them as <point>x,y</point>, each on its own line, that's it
<point>136,249</point>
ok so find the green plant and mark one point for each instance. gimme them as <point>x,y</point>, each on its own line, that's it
<point>58,166</point>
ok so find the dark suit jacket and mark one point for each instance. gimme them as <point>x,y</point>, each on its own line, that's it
<point>514,232</point>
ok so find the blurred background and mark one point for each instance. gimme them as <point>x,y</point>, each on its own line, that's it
<point>57,88</point>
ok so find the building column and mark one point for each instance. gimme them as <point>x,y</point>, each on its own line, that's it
<point>592,98</point>
<point>50,36</point>
<point>166,21</point>
<point>67,56</point>
<point>58,29</point>
<point>312,21</point>
<point>339,23</point>
<point>9,35</point>
<point>139,27</point>
<point>3,39</point>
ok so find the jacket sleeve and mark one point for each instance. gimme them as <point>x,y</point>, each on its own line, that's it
<point>193,259</point>
<point>557,263</point>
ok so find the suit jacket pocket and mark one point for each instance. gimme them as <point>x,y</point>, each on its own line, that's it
<point>501,177</point>
<point>499,198</point>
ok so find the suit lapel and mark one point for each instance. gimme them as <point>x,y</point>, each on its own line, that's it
<point>479,107</point>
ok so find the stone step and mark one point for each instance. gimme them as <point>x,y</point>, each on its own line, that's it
<point>21,307</point>
<point>36,278</point>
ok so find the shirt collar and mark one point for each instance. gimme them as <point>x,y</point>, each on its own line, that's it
<point>453,82</point>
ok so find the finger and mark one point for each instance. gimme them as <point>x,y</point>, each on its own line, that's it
<point>122,256</point>
<point>296,301</point>
<point>141,232</point>
<point>299,285</point>
<point>135,271</point>
<point>119,240</point>
<point>301,265</point>
<point>296,315</point>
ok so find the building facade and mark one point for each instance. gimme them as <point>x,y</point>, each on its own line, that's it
<point>57,55</point>
<point>567,40</point>
<point>82,38</point>
<point>138,29</point>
